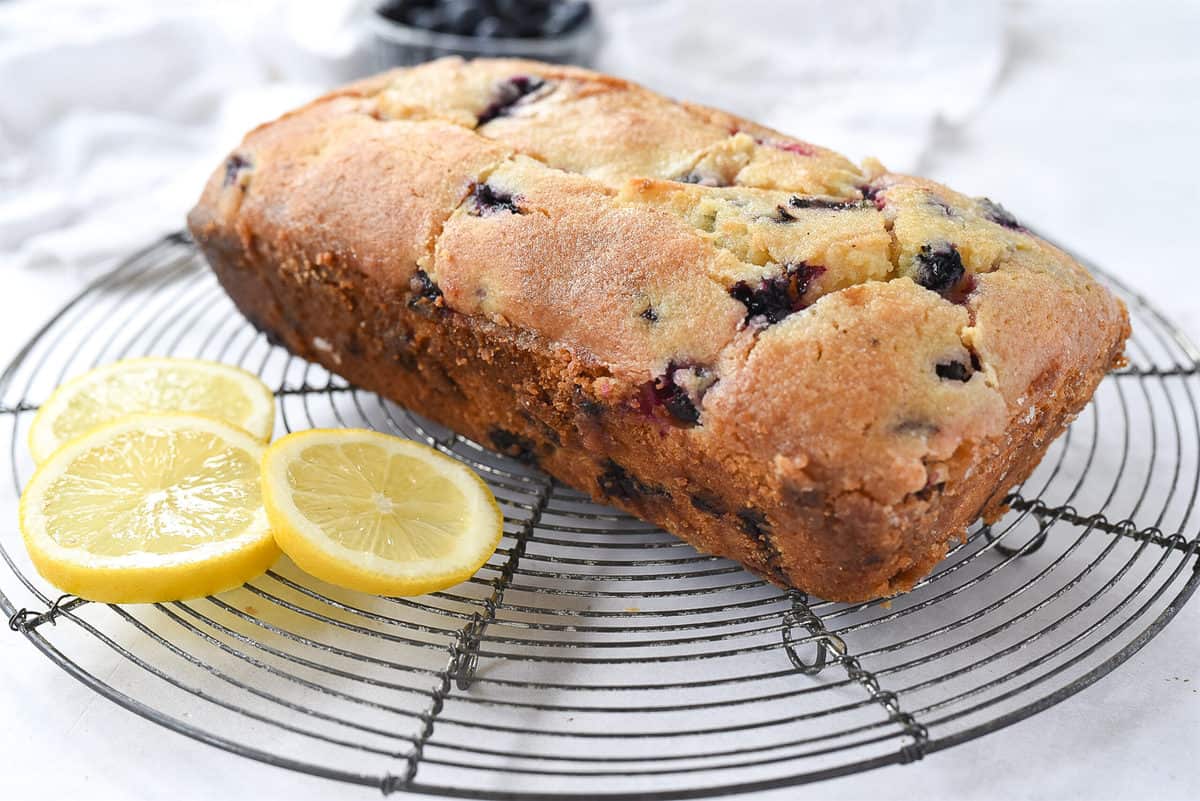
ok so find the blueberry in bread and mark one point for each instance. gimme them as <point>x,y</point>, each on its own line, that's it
<point>823,371</point>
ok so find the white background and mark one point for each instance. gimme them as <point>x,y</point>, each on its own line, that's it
<point>1089,132</point>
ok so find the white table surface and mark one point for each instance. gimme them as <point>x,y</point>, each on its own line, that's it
<point>1090,134</point>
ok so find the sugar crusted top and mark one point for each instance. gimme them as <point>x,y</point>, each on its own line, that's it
<point>855,327</point>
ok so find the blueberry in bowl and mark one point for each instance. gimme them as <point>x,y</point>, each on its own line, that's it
<point>412,31</point>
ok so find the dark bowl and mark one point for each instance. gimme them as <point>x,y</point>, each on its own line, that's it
<point>394,44</point>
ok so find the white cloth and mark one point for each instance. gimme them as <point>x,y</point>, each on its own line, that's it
<point>866,79</point>
<point>112,115</point>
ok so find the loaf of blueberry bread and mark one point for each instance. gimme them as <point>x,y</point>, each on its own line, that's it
<point>823,371</point>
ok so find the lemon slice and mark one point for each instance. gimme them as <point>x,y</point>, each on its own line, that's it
<point>377,513</point>
<point>152,384</point>
<point>149,508</point>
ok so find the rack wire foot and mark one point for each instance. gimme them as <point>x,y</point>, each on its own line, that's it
<point>27,619</point>
<point>800,614</point>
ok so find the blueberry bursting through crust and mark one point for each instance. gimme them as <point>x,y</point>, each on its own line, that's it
<point>772,299</point>
<point>675,399</point>
<point>678,392</point>
<point>424,290</point>
<point>509,93</point>
<point>998,214</point>
<point>953,371</point>
<point>233,168</point>
<point>939,267</point>
<point>487,200</point>
<point>814,202</point>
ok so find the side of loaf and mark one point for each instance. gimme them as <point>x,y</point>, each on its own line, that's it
<point>822,371</point>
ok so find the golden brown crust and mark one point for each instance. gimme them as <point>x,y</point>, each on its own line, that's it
<point>823,372</point>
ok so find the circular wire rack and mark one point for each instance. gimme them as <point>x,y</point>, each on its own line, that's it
<point>595,655</point>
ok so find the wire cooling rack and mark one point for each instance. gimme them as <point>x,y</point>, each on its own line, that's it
<point>595,655</point>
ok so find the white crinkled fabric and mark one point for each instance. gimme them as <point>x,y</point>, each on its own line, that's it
<point>113,114</point>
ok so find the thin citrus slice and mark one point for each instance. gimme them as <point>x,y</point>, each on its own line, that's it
<point>151,385</point>
<point>149,508</point>
<point>377,513</point>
